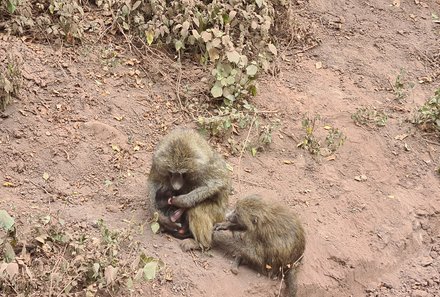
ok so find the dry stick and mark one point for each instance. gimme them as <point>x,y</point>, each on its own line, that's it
<point>430,141</point>
<point>68,284</point>
<point>241,153</point>
<point>55,269</point>
<point>294,265</point>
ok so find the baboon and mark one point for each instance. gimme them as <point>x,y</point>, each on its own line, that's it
<point>183,161</point>
<point>176,215</point>
<point>272,240</point>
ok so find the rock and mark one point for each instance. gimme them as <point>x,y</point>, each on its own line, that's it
<point>426,261</point>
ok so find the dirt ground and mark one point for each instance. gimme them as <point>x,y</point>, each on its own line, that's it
<point>379,236</point>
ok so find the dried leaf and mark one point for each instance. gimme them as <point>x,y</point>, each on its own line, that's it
<point>8,184</point>
<point>273,49</point>
<point>233,57</point>
<point>206,36</point>
<point>46,176</point>
<point>136,5</point>
<point>110,274</point>
<point>116,147</point>
<point>12,269</point>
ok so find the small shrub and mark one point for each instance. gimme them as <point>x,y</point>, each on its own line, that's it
<point>366,116</point>
<point>428,116</point>
<point>10,81</point>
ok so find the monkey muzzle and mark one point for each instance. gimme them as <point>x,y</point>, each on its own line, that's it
<point>176,181</point>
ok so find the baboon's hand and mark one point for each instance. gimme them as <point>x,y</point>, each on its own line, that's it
<point>221,226</point>
<point>166,223</point>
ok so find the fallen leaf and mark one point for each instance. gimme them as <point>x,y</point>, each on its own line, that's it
<point>401,136</point>
<point>150,270</point>
<point>268,267</point>
<point>12,269</point>
<point>46,176</point>
<point>360,178</point>
<point>110,274</point>
<point>331,158</point>
<point>287,162</point>
<point>116,148</point>
<point>327,127</point>
<point>155,227</point>
<point>229,167</point>
<point>8,184</point>
<point>318,65</point>
<point>136,148</point>
<point>118,118</point>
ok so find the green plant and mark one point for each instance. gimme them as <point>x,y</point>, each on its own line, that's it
<point>227,119</point>
<point>428,116</point>
<point>370,117</point>
<point>10,81</point>
<point>65,260</point>
<point>401,86</point>
<point>333,140</point>
<point>310,142</point>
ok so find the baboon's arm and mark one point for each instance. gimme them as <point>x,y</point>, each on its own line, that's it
<point>198,194</point>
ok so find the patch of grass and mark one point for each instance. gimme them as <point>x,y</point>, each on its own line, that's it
<point>369,116</point>
<point>314,144</point>
<point>428,116</point>
<point>402,86</point>
<point>58,258</point>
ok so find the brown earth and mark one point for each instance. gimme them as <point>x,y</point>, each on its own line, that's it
<point>376,237</point>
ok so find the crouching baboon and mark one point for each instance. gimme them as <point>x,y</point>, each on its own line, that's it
<point>272,238</point>
<point>183,162</point>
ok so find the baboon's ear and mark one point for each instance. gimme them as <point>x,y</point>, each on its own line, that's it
<point>254,220</point>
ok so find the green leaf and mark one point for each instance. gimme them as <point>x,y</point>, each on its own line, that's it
<point>11,6</point>
<point>155,227</point>
<point>253,90</point>
<point>178,45</point>
<point>150,270</point>
<point>217,90</point>
<point>9,253</point>
<point>251,70</point>
<point>150,37</point>
<point>6,221</point>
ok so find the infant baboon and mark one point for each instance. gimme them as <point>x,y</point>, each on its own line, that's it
<point>184,162</point>
<point>272,238</point>
<point>175,215</point>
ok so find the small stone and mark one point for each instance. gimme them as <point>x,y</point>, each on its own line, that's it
<point>360,178</point>
<point>426,261</point>
<point>111,208</point>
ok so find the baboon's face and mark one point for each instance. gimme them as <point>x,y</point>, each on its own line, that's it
<point>177,180</point>
<point>237,224</point>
